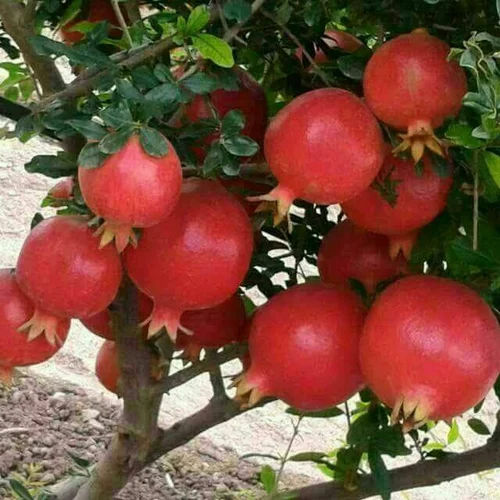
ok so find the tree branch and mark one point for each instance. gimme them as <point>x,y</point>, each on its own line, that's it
<point>219,391</point>
<point>421,474</point>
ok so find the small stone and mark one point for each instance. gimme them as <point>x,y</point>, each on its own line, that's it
<point>96,425</point>
<point>16,397</point>
<point>90,414</point>
<point>48,478</point>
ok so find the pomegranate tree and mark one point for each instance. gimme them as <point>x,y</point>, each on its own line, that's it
<point>16,347</point>
<point>349,252</point>
<point>416,199</point>
<point>210,241</point>
<point>131,189</point>
<point>303,347</point>
<point>410,84</point>
<point>324,147</point>
<point>424,337</point>
<point>63,271</point>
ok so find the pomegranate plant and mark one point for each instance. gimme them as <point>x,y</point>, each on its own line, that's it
<point>373,309</point>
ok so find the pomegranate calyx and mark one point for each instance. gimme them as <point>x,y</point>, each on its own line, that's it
<point>403,243</point>
<point>278,201</point>
<point>247,394</point>
<point>42,323</point>
<point>163,317</point>
<point>121,234</point>
<point>413,413</point>
<point>420,136</point>
<point>6,375</point>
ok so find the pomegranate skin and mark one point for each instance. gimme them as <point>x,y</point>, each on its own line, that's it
<point>107,367</point>
<point>132,189</point>
<point>324,147</point>
<point>194,259</point>
<point>304,347</point>
<point>431,347</point>
<point>62,270</point>
<point>212,328</point>
<point>420,199</point>
<point>409,80</point>
<point>15,348</point>
<point>63,190</point>
<point>348,252</point>
<point>250,99</point>
<point>100,324</point>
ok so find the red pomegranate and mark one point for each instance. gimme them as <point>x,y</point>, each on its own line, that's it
<point>430,349</point>
<point>63,190</point>
<point>324,147</point>
<point>98,10</point>
<point>211,328</point>
<point>131,189</point>
<point>107,368</point>
<point>250,99</point>
<point>100,323</point>
<point>410,84</point>
<point>16,348</point>
<point>62,270</point>
<point>349,252</point>
<point>194,259</point>
<point>304,348</point>
<point>333,39</point>
<point>420,198</point>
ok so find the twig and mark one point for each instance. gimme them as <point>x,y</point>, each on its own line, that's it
<point>296,41</point>
<point>14,430</point>
<point>231,33</point>
<point>224,22</point>
<point>475,216</point>
<point>123,23</point>
<point>215,375</point>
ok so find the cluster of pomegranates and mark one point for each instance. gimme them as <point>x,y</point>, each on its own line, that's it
<point>315,344</point>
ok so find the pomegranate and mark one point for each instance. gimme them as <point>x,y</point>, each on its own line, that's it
<point>348,252</point>
<point>62,270</point>
<point>99,10</point>
<point>16,348</point>
<point>195,258</point>
<point>131,189</point>
<point>410,84</point>
<point>212,328</point>
<point>63,190</point>
<point>304,348</point>
<point>107,368</point>
<point>250,99</point>
<point>420,198</point>
<point>100,323</point>
<point>333,39</point>
<point>430,349</point>
<point>324,147</point>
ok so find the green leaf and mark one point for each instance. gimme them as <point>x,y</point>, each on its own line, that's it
<point>127,90</point>
<point>380,473</point>
<point>332,412</point>
<point>492,161</point>
<point>117,116</point>
<point>19,490</point>
<point>153,142</point>
<point>88,128</point>
<point>165,93</point>
<point>62,165</point>
<point>71,12</point>
<point>352,66</point>
<point>90,156</point>
<point>200,83</point>
<point>308,456</point>
<point>268,478</point>
<point>233,123</point>
<point>461,135</point>
<point>144,78</point>
<point>239,10</point>
<point>197,20</point>
<point>240,145</point>
<point>284,12</point>
<point>115,141</point>
<point>215,49</point>
<point>454,432</point>
<point>478,426</point>
<point>162,72</point>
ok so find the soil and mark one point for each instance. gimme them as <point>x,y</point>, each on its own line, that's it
<point>44,421</point>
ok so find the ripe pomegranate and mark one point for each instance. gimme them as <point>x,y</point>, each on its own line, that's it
<point>333,39</point>
<point>62,270</point>
<point>63,190</point>
<point>195,258</point>
<point>131,189</point>
<point>349,252</point>
<point>107,368</point>
<point>410,84</point>
<point>250,99</point>
<point>212,328</point>
<point>16,348</point>
<point>98,10</point>
<point>430,349</point>
<point>304,348</point>
<point>420,198</point>
<point>100,323</point>
<point>324,147</point>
